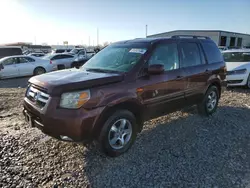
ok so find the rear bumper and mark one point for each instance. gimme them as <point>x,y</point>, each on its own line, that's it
<point>77,125</point>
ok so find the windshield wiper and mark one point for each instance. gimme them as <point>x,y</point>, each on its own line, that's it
<point>102,70</point>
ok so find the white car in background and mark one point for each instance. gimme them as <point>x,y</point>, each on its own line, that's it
<point>62,61</point>
<point>18,66</point>
<point>238,67</point>
<point>37,54</point>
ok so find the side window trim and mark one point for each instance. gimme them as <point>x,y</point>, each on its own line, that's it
<point>203,52</point>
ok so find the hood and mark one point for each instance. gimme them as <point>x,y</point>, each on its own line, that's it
<point>237,65</point>
<point>73,79</point>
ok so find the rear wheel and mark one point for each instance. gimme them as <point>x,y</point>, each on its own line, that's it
<point>209,103</point>
<point>75,65</point>
<point>61,67</point>
<point>39,70</point>
<point>118,133</point>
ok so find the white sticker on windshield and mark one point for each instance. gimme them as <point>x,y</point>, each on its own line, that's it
<point>138,50</point>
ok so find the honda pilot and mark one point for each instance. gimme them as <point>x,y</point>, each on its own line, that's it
<point>127,83</point>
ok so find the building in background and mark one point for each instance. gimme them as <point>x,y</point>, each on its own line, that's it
<point>221,38</point>
<point>26,46</point>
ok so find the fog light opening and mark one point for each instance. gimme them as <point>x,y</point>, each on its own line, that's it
<point>66,138</point>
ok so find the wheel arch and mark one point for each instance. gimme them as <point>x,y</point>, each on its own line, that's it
<point>134,107</point>
<point>214,81</point>
<point>218,85</point>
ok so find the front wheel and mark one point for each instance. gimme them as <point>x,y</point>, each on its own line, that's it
<point>209,103</point>
<point>118,133</point>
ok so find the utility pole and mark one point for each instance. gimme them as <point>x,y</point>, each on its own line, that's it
<point>97,37</point>
<point>89,40</point>
<point>93,43</point>
<point>146,31</point>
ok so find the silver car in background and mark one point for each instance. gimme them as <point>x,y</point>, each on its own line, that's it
<point>62,61</point>
<point>18,66</point>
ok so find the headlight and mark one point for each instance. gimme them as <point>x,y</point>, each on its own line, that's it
<point>240,71</point>
<point>74,100</point>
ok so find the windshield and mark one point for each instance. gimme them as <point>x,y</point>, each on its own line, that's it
<point>236,56</point>
<point>74,51</point>
<point>112,58</point>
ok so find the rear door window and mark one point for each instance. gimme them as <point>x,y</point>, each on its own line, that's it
<point>23,60</point>
<point>30,59</point>
<point>190,54</point>
<point>64,56</point>
<point>212,52</point>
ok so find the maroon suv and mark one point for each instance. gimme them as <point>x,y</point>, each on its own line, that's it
<point>125,84</point>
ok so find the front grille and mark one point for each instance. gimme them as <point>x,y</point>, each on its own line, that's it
<point>234,81</point>
<point>37,96</point>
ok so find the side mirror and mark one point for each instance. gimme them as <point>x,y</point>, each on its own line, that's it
<point>156,69</point>
<point>1,66</point>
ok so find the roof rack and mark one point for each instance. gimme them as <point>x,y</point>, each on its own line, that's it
<point>189,36</point>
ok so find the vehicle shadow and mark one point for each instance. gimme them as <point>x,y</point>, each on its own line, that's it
<point>180,152</point>
<point>14,82</point>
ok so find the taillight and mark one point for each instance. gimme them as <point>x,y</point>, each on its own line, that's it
<point>50,62</point>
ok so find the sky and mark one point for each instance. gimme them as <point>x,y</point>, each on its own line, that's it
<point>76,21</point>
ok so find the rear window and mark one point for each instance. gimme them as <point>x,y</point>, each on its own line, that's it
<point>66,56</point>
<point>60,51</point>
<point>212,52</point>
<point>236,56</point>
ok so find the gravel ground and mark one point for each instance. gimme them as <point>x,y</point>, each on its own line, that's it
<point>177,150</point>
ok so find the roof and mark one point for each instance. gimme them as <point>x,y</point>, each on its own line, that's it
<point>236,50</point>
<point>10,47</point>
<point>138,40</point>
<point>153,40</point>
<point>198,31</point>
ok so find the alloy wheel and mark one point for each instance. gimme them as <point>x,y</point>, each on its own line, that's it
<point>120,134</point>
<point>211,101</point>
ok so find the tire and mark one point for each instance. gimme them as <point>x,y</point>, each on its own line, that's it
<point>60,67</point>
<point>39,70</point>
<point>209,103</point>
<point>75,65</point>
<point>110,136</point>
<point>248,82</point>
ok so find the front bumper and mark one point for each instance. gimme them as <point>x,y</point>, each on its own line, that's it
<point>68,125</point>
<point>237,80</point>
